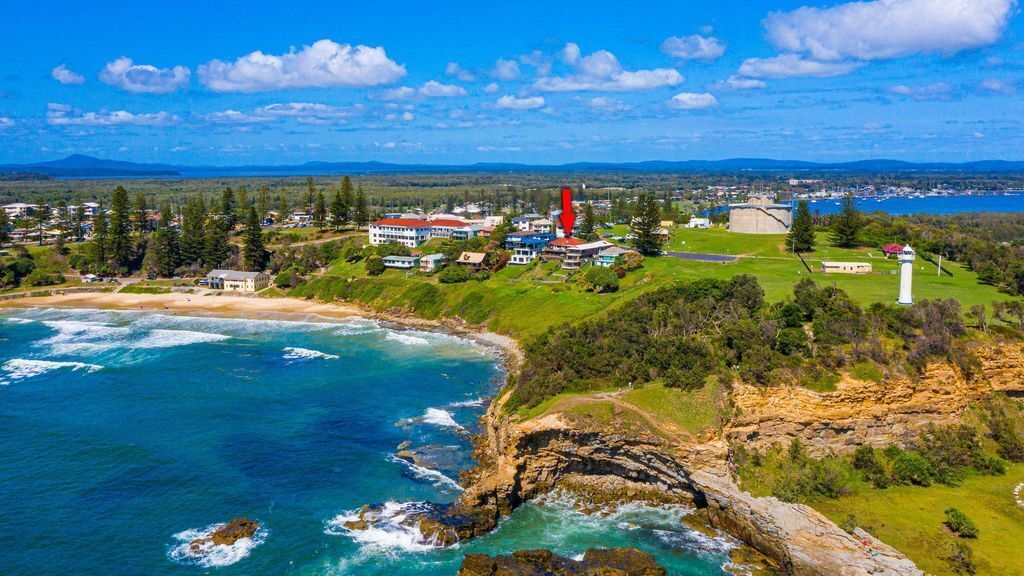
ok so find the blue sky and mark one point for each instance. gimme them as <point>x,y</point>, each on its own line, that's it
<point>539,82</point>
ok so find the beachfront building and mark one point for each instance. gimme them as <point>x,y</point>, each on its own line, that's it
<point>432,262</point>
<point>609,256</point>
<point>412,232</point>
<point>401,262</point>
<point>760,215</point>
<point>526,246</point>
<point>236,281</point>
<point>846,267</point>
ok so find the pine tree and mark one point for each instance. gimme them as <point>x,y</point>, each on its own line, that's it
<point>587,227</point>
<point>847,224</point>
<point>254,254</point>
<point>227,209</point>
<point>40,218</point>
<point>801,233</point>
<point>320,211</point>
<point>645,224</point>
<point>193,232</point>
<point>282,208</point>
<point>5,228</point>
<point>119,231</point>
<point>263,203</point>
<point>339,206</point>
<point>165,244</point>
<point>310,194</point>
<point>362,214</point>
<point>100,234</point>
<point>78,221</point>
<point>139,213</point>
<point>215,246</point>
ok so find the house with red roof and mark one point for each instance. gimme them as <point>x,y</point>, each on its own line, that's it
<point>892,249</point>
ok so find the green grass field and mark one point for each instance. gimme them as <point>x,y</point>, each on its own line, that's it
<point>909,518</point>
<point>695,411</point>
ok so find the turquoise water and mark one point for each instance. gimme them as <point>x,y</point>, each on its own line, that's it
<point>125,434</point>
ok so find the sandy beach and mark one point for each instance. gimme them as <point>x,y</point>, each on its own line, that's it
<point>251,307</point>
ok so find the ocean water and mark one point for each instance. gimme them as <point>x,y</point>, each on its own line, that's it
<point>123,435</point>
<point>1013,202</point>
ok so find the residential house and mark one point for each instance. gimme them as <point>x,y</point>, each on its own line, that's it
<point>474,260</point>
<point>609,256</point>
<point>846,267</point>
<point>401,262</point>
<point>526,246</point>
<point>236,281</point>
<point>699,223</point>
<point>542,226</point>
<point>579,254</point>
<point>432,262</point>
<point>892,249</point>
<point>522,223</point>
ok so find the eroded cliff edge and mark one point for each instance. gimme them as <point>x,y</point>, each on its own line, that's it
<point>522,460</point>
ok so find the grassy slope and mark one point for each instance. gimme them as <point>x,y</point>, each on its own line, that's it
<point>526,300</point>
<point>910,519</point>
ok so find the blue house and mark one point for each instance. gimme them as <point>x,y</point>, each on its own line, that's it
<point>526,246</point>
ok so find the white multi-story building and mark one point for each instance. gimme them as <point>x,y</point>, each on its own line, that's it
<point>412,232</point>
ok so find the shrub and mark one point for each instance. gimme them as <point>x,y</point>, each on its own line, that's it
<point>864,459</point>
<point>632,261</point>
<point>830,476</point>
<point>848,524</point>
<point>961,558</point>
<point>39,278</point>
<point>911,468</point>
<point>960,524</point>
<point>453,275</point>
<point>375,265</point>
<point>602,279</point>
<point>285,279</point>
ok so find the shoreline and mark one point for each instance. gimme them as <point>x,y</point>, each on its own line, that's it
<point>255,307</point>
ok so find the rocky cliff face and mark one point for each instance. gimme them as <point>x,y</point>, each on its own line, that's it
<point>877,414</point>
<point>596,562</point>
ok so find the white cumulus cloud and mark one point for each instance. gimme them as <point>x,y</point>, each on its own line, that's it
<point>143,78</point>
<point>65,75</point>
<point>435,89</point>
<point>601,71</point>
<point>693,47</point>
<point>933,91</point>
<point>455,70</point>
<point>509,102</point>
<point>323,64</point>
<point>735,82</point>
<point>65,115</point>
<point>505,70</point>
<point>889,28</point>
<point>792,66</point>
<point>692,101</point>
<point>606,104</point>
<point>997,85</point>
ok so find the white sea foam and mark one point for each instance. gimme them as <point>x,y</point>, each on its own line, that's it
<point>85,337</point>
<point>694,540</point>
<point>16,320</point>
<point>385,532</point>
<point>20,368</point>
<point>468,403</point>
<point>293,353</point>
<point>407,339</point>
<point>212,556</point>
<point>438,479</point>
<point>442,418</point>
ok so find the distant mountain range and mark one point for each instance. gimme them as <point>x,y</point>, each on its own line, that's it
<point>79,166</point>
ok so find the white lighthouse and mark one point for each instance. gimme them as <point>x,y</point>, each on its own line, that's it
<point>906,258</point>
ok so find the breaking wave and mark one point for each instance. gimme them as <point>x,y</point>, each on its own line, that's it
<point>78,337</point>
<point>210,555</point>
<point>438,479</point>
<point>407,339</point>
<point>442,418</point>
<point>385,531</point>
<point>294,353</point>
<point>20,368</point>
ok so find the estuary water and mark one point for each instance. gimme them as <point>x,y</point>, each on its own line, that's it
<point>124,435</point>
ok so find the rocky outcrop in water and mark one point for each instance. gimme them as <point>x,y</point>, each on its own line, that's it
<point>225,535</point>
<point>596,562</point>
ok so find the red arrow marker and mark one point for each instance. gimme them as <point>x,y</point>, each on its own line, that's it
<point>567,218</point>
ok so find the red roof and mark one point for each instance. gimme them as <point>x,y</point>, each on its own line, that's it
<point>449,223</point>
<point>566,242</point>
<point>892,248</point>
<point>404,222</point>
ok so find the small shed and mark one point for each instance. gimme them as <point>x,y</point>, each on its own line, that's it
<point>474,260</point>
<point>846,267</point>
